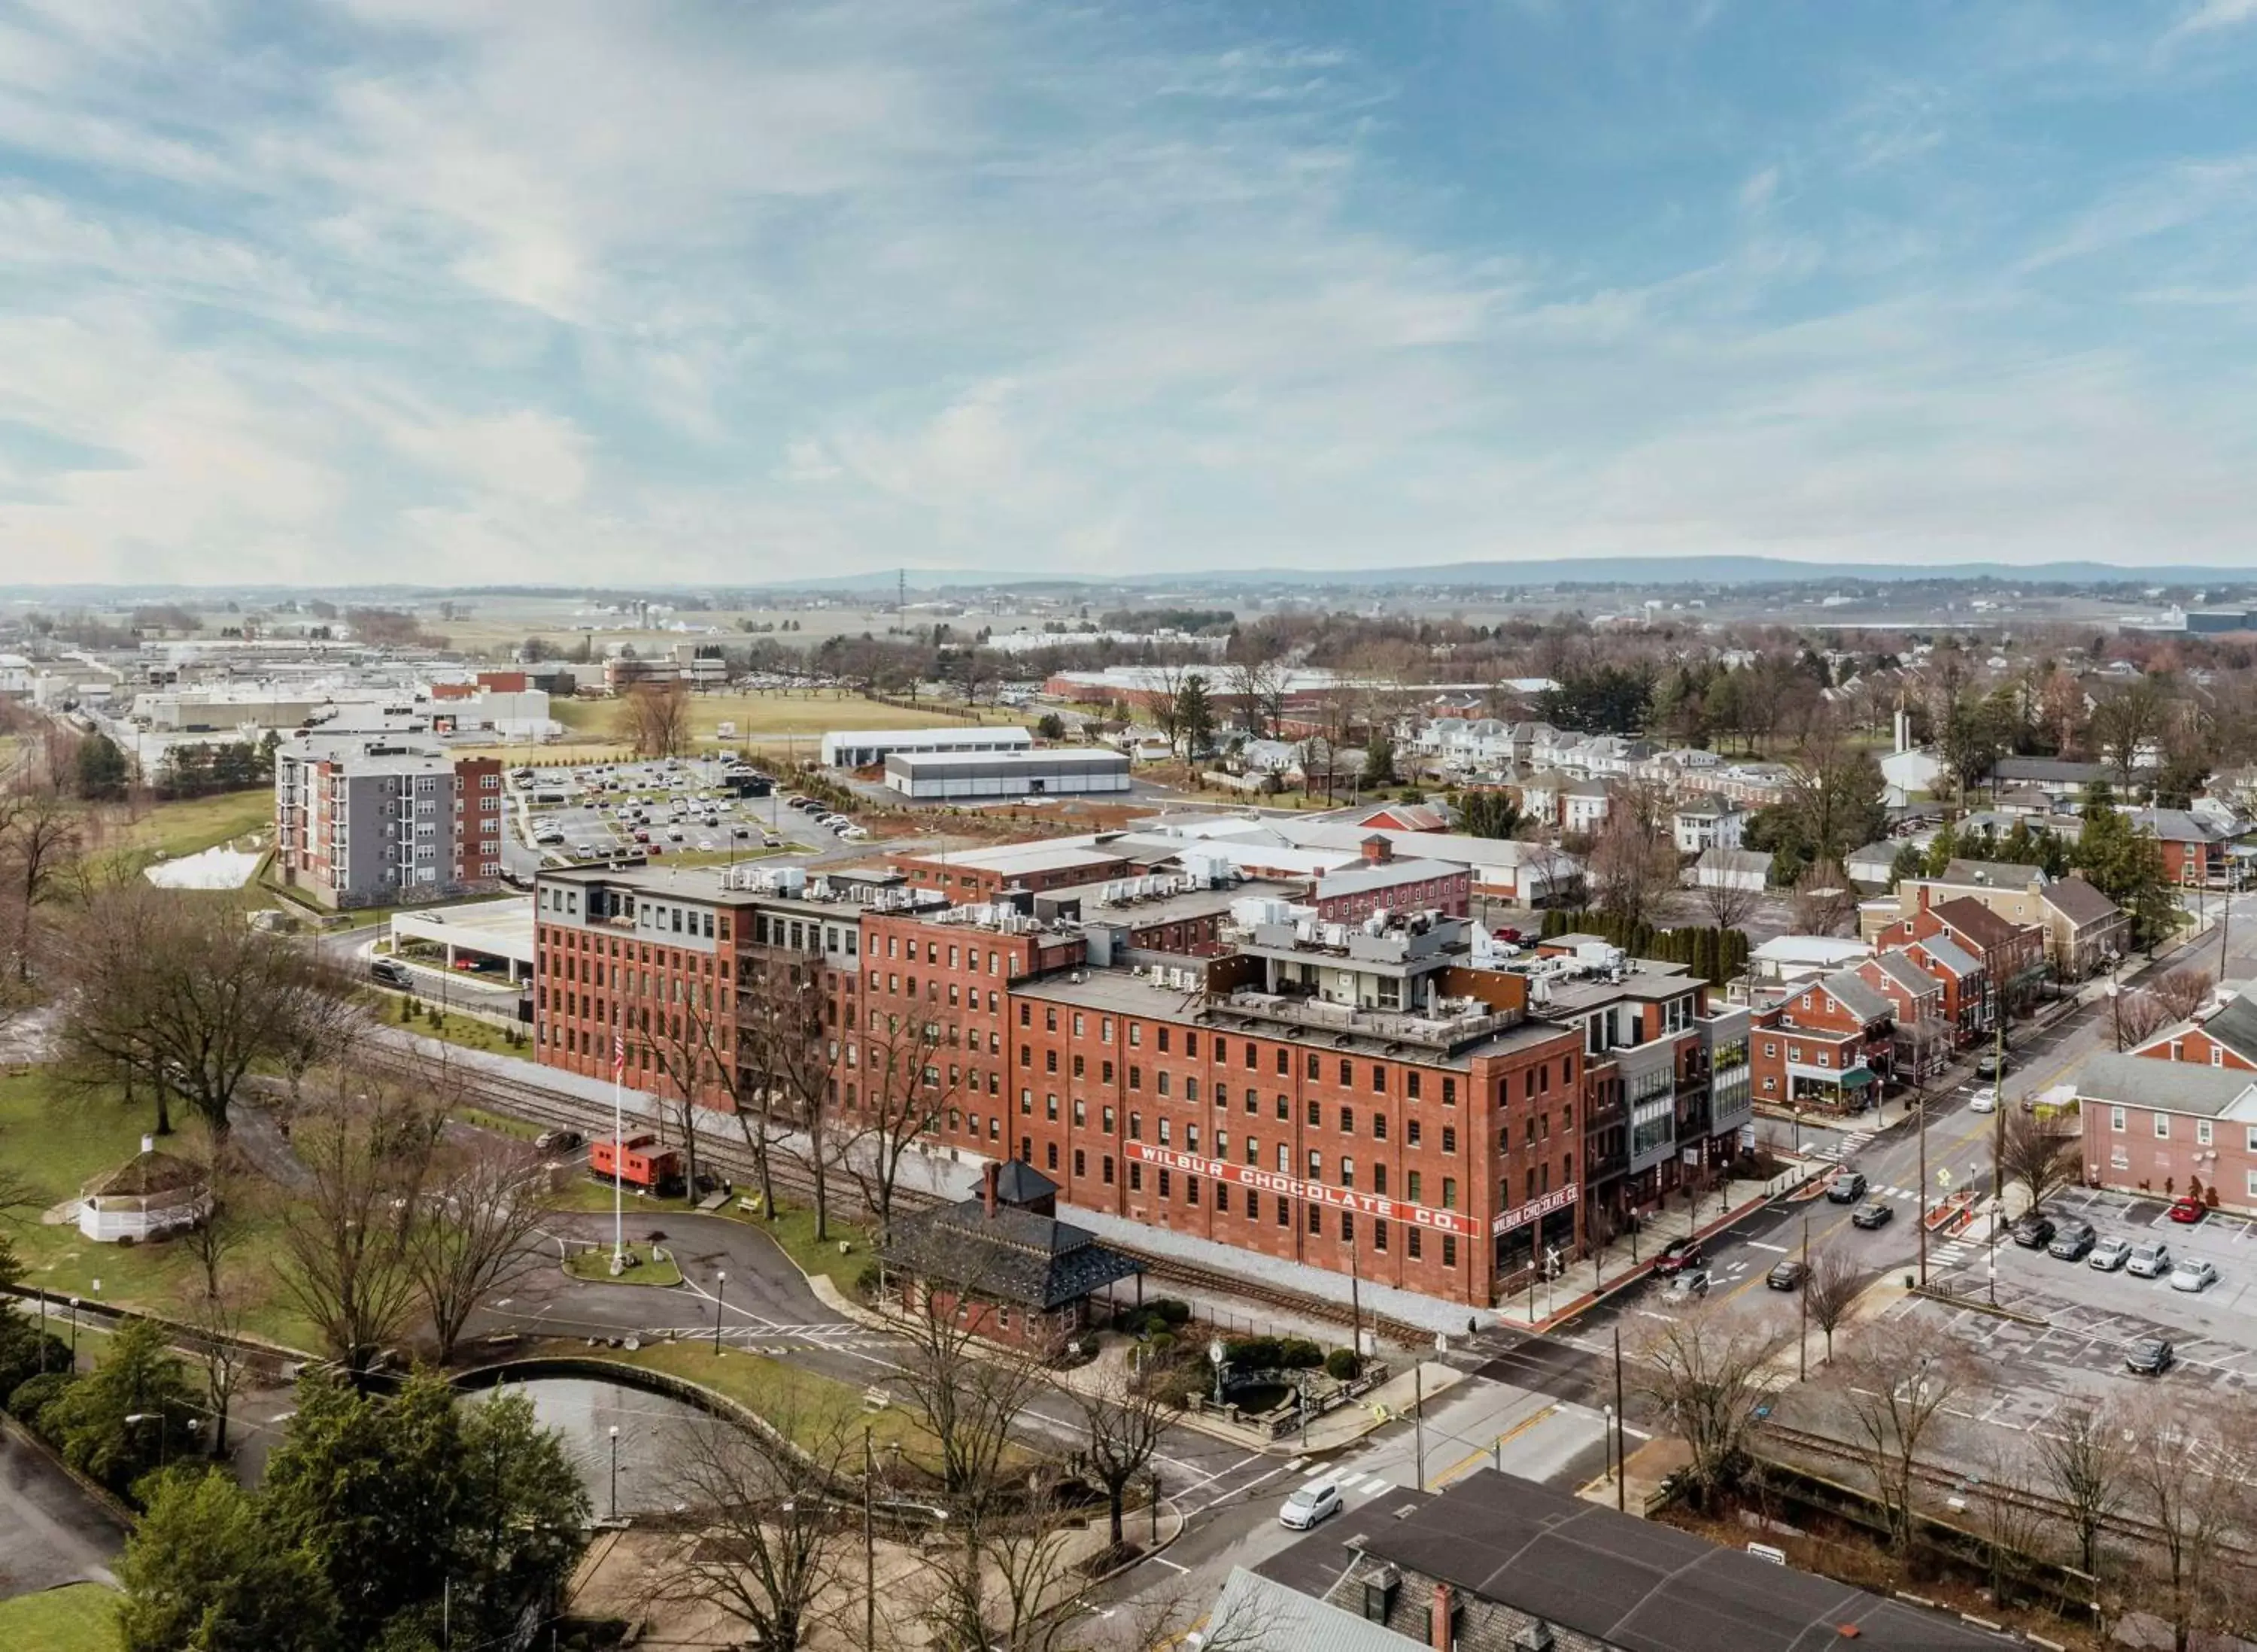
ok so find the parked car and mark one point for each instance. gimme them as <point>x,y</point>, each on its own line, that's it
<point>2034,1232</point>
<point>2110,1253</point>
<point>2150,1260</point>
<point>1689,1286</point>
<point>1847,1187</point>
<point>1678,1255</point>
<point>558,1140</point>
<point>389,973</point>
<point>1788,1276</point>
<point>2193,1273</point>
<point>2187,1209</point>
<point>1984,1100</point>
<point>2149,1357</point>
<point>1309,1505</point>
<point>2072,1240</point>
<point>1872,1213</point>
<point>1991,1064</point>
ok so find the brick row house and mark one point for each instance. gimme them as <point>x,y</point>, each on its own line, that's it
<point>1829,1044</point>
<point>1946,937</point>
<point>1370,1104</point>
<point>2082,930</point>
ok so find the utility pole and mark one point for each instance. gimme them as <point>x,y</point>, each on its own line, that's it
<point>1997,1145</point>
<point>869,1551</point>
<point>1419,1418</point>
<point>1802,1306</point>
<point>1356,1302</point>
<point>1620,1469</point>
<point>1920,1100</point>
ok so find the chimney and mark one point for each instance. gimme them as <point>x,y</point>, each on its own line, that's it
<point>1923,897</point>
<point>1439,1619</point>
<point>1377,851</point>
<point>988,1179</point>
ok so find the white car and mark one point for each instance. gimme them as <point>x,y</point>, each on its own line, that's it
<point>1309,1505</point>
<point>1984,1100</point>
<point>2193,1273</point>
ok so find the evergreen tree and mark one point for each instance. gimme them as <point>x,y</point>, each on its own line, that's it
<point>1942,850</point>
<point>102,772</point>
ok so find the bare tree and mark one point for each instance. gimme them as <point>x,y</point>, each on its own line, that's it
<point>40,833</point>
<point>2030,1157</point>
<point>1633,864</point>
<point>182,996</point>
<point>1894,1383</point>
<point>787,1040</point>
<point>2186,1475</point>
<point>658,719</point>
<point>1257,678</point>
<point>2183,991</point>
<point>1709,1372</point>
<point>890,1107</point>
<point>2138,1016</point>
<point>770,1536</point>
<point>473,1233</point>
<point>1825,901</point>
<point>345,1240</point>
<point>2009,1516</point>
<point>693,1045</point>
<point>2083,1457</point>
<point>1126,1422</point>
<point>215,1314</point>
<point>1833,1284</point>
<point>1727,902</point>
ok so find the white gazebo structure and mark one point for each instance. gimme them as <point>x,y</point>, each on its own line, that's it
<point>148,1196</point>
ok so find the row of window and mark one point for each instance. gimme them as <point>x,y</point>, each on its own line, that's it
<point>2205,1131</point>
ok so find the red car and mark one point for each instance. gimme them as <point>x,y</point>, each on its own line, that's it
<point>2187,1208</point>
<point>1678,1255</point>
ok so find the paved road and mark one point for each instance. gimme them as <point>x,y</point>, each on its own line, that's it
<point>51,1532</point>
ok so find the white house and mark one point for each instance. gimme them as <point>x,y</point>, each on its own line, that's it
<point>1583,806</point>
<point>1707,823</point>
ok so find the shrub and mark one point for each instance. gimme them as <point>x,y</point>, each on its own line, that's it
<point>1341,1365</point>
<point>1299,1353</point>
<point>1163,1345</point>
<point>1171,1312</point>
<point>33,1395</point>
<point>867,1282</point>
<point>19,1353</point>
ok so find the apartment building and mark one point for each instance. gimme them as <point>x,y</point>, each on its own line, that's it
<point>1380,884</point>
<point>1368,1102</point>
<point>375,820</point>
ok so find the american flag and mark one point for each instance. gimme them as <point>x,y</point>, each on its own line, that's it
<point>618,1053</point>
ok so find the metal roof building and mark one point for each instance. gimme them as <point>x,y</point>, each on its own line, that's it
<point>858,748</point>
<point>1053,772</point>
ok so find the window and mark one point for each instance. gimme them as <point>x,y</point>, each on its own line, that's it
<point>1050,1152</point>
<point>1378,1236</point>
<point>1162,1045</point>
<point>1316,1114</point>
<point>1191,1089</point>
<point>1283,1110</point>
<point>1411,1086</point>
<point>1410,1132</point>
<point>1163,1185</point>
<point>1135,1126</point>
<point>1136,1078</point>
<point>1410,1233</point>
<point>1080,1164</point>
<point>1316,1220</point>
<point>1410,1187</point>
<point>1079,1067</point>
<point>1379,1126</point>
<point>1449,1250</point>
<point>1347,1121</point>
<point>1316,1064</point>
<point>1162,1082</point>
<point>1449,1193</point>
<point>1104,1169</point>
<point>1348,1173</point>
<point>1449,1138</point>
<point>1191,1189</point>
<point>1770,1049</point>
<point>1379,1078</point>
<point>1316,1166</point>
<point>1135,1035</point>
<point>1449,1091</point>
<point>1135,1176</point>
<point>1347,1225</point>
<point>1222,1198</point>
<point>1285,1211</point>
<point>1347,1073</point>
<point>2162,1126</point>
<point>2202,1132</point>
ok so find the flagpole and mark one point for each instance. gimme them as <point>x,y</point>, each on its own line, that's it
<point>619,1150</point>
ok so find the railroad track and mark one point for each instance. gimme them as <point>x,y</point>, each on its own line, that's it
<point>535,1103</point>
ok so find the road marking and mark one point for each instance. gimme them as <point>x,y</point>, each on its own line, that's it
<point>1297,1462</point>
<point>1759,1244</point>
<point>1173,1566</point>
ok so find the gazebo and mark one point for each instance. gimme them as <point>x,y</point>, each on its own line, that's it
<point>148,1196</point>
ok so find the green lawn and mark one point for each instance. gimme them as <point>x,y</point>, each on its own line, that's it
<point>804,1405</point>
<point>466,1030</point>
<point>794,1233</point>
<point>195,824</point>
<point>79,1617</point>
<point>58,1139</point>
<point>594,1266</point>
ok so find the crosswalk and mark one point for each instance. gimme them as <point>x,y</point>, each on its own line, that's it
<point>1361,1485</point>
<point>1838,1150</point>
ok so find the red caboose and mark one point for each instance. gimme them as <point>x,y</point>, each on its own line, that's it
<point>641,1162</point>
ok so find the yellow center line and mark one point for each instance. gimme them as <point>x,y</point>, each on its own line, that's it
<point>1512,1434</point>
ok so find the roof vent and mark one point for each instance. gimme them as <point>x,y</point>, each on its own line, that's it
<point>1537,1637</point>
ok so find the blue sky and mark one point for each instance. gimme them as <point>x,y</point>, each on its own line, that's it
<point>588,290</point>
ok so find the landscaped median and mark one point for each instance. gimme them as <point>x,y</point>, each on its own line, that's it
<point>646,1264</point>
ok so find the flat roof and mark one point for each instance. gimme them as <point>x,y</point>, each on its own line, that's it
<point>501,927</point>
<point>1013,859</point>
<point>952,734</point>
<point>1048,757</point>
<point>1351,880</point>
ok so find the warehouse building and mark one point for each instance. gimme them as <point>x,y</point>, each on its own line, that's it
<point>859,748</point>
<point>948,777</point>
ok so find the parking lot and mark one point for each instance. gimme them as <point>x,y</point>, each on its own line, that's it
<point>680,807</point>
<point>2092,1318</point>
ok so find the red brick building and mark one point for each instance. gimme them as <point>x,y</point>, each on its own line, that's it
<point>989,874</point>
<point>1830,1044</point>
<point>1380,883</point>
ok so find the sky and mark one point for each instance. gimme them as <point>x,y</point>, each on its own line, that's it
<point>600,292</point>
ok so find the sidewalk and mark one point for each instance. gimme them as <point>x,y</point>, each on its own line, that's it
<point>1629,1258</point>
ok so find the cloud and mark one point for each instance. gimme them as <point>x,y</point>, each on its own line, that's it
<point>2211,16</point>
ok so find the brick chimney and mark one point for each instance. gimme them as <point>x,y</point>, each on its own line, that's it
<point>988,1179</point>
<point>1923,897</point>
<point>1378,850</point>
<point>1439,1620</point>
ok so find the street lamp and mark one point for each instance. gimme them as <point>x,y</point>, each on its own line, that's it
<point>615,1471</point>
<point>720,1288</point>
<point>73,1333</point>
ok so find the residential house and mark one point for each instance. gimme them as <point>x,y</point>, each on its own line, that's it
<point>1830,1045</point>
<point>2085,931</point>
<point>2015,955</point>
<point>1583,806</point>
<point>1543,796</point>
<point>2170,1128</point>
<point>2194,851</point>
<point>1966,984</point>
<point>1707,823</point>
<point>2227,1037</point>
<point>1870,867</point>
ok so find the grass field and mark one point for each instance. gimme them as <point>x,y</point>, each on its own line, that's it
<point>79,1617</point>
<point>189,826</point>
<point>57,1140</point>
<point>763,718</point>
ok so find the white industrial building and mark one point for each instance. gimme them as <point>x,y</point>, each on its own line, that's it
<point>858,748</point>
<point>942,777</point>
